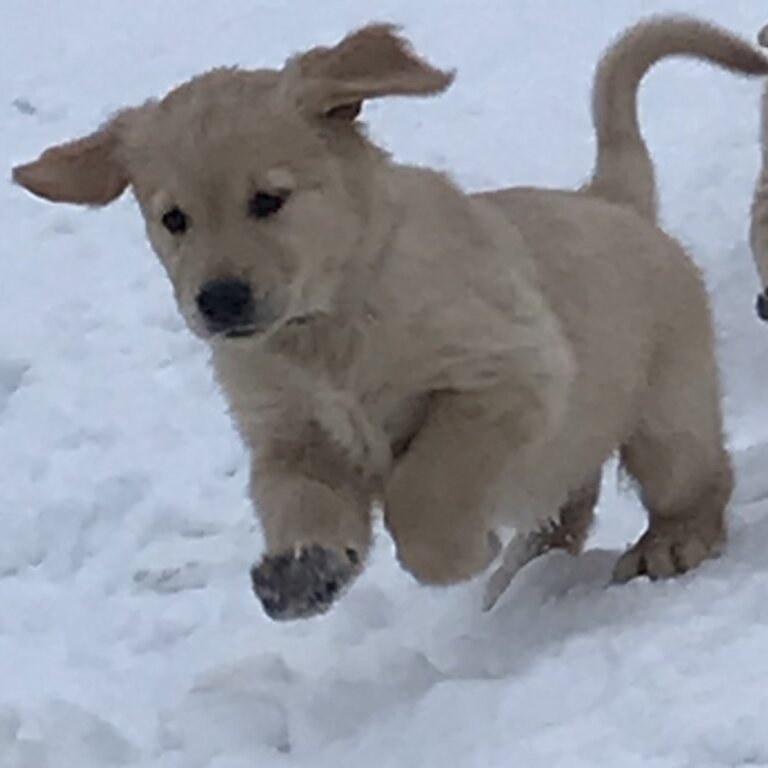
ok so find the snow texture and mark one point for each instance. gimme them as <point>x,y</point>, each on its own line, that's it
<point>128,633</point>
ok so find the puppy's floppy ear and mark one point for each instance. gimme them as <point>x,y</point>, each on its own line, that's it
<point>374,61</point>
<point>87,171</point>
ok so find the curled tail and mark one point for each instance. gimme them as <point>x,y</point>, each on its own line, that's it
<point>624,170</point>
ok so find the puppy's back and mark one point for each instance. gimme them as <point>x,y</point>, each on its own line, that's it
<point>614,280</point>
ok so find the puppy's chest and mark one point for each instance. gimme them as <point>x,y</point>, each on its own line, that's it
<point>387,385</point>
<point>327,372</point>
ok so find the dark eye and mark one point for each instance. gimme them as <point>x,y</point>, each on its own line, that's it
<point>264,204</point>
<point>175,221</point>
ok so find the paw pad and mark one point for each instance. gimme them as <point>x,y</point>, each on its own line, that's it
<point>304,582</point>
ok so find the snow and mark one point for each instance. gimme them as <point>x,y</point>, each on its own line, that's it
<point>128,634</point>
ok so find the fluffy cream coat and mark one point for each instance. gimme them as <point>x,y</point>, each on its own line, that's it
<point>469,361</point>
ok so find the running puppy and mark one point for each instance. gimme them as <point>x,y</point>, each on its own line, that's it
<point>467,360</point>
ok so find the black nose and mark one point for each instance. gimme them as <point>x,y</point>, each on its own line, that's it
<point>226,303</point>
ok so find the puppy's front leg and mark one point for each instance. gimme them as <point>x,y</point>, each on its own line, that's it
<point>443,491</point>
<point>315,512</point>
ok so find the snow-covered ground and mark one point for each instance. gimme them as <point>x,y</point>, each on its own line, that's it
<point>128,633</point>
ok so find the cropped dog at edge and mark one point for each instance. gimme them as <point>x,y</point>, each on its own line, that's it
<point>758,232</point>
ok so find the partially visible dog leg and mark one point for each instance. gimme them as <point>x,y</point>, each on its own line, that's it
<point>678,458</point>
<point>680,534</point>
<point>568,532</point>
<point>575,520</point>
<point>316,516</point>
<point>758,229</point>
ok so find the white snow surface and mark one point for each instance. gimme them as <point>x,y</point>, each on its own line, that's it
<point>128,633</point>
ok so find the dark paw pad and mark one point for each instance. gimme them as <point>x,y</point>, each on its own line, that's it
<point>303,583</point>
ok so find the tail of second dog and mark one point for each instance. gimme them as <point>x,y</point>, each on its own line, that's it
<point>758,230</point>
<point>624,170</point>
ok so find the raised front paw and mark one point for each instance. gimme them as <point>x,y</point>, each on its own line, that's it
<point>304,582</point>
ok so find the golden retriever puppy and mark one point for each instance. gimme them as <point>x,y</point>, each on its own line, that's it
<point>468,361</point>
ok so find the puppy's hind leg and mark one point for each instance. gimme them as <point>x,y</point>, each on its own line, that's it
<point>678,458</point>
<point>571,530</point>
<point>568,532</point>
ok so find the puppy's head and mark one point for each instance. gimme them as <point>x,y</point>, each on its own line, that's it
<point>257,187</point>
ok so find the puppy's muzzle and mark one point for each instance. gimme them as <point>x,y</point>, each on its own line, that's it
<point>228,307</point>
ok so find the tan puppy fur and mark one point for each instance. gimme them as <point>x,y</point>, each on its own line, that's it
<point>468,360</point>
